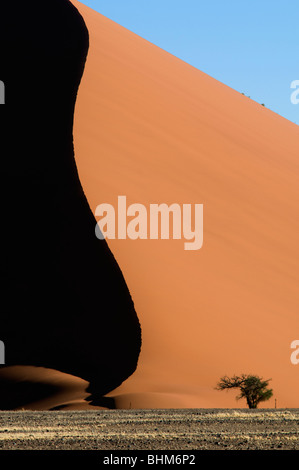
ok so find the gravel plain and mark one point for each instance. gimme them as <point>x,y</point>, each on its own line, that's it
<point>171,429</point>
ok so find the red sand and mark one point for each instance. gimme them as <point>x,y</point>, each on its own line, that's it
<point>155,129</point>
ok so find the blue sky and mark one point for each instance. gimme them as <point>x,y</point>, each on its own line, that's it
<point>250,45</point>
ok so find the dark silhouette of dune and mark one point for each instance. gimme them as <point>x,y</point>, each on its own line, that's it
<point>64,302</point>
<point>18,391</point>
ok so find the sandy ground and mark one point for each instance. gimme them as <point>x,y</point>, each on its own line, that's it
<point>193,429</point>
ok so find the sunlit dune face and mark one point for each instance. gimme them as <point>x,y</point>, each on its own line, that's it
<point>156,130</point>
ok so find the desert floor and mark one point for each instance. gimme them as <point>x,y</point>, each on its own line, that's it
<point>193,429</point>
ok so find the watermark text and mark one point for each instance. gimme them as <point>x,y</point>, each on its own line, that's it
<point>159,221</point>
<point>2,353</point>
<point>295,94</point>
<point>2,93</point>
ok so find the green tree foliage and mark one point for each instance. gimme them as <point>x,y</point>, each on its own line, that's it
<point>253,388</point>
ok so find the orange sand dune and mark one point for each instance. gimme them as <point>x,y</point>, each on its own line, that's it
<point>155,129</point>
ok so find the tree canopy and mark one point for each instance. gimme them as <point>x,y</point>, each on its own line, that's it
<point>253,388</point>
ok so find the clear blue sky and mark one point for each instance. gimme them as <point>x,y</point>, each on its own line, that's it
<point>250,45</point>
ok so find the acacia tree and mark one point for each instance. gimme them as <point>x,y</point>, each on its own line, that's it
<point>252,387</point>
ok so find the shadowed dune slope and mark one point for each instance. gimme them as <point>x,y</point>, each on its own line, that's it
<point>64,302</point>
<point>155,129</point>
